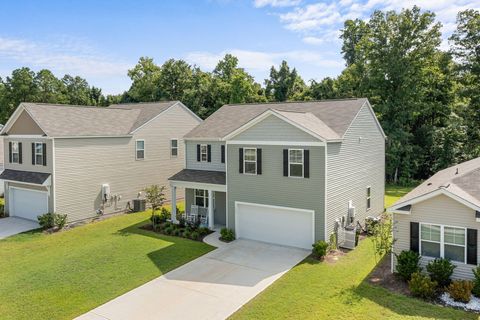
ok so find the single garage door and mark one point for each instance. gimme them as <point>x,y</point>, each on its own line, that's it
<point>278,225</point>
<point>27,204</point>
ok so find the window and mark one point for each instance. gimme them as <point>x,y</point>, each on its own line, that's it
<point>203,153</point>
<point>369,190</point>
<point>201,198</point>
<point>174,147</point>
<point>38,153</point>
<point>15,152</point>
<point>443,241</point>
<point>250,160</point>
<point>295,163</point>
<point>140,149</point>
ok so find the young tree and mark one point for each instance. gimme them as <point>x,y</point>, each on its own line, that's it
<point>155,196</point>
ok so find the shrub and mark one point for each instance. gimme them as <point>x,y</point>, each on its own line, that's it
<point>168,230</point>
<point>332,243</point>
<point>227,234</point>
<point>422,286</point>
<point>194,235</point>
<point>203,231</point>
<point>407,264</point>
<point>2,210</point>
<point>164,214</point>
<point>370,224</point>
<point>460,290</point>
<point>320,248</point>
<point>156,219</point>
<point>186,234</point>
<point>181,221</point>
<point>476,282</point>
<point>59,220</point>
<point>440,270</point>
<point>51,220</point>
<point>176,232</point>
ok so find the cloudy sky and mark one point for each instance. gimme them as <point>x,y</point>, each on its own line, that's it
<point>101,40</point>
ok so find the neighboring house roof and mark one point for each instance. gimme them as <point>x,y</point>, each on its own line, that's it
<point>461,182</point>
<point>330,118</point>
<point>200,176</point>
<point>24,176</point>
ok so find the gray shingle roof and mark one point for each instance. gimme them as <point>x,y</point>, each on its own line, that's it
<point>337,115</point>
<point>200,176</point>
<point>24,176</point>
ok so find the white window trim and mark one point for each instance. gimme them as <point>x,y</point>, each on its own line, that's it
<point>36,153</point>
<point>137,149</point>
<point>17,153</point>
<point>205,197</point>
<point>369,197</point>
<point>206,152</point>
<point>250,161</point>
<point>172,148</point>
<point>303,163</point>
<point>442,241</point>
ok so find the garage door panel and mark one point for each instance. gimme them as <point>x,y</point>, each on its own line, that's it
<point>284,226</point>
<point>27,204</point>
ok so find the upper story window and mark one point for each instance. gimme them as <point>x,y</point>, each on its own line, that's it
<point>250,160</point>
<point>174,147</point>
<point>38,153</point>
<point>140,149</point>
<point>15,152</point>
<point>203,153</point>
<point>369,197</point>
<point>443,241</point>
<point>295,163</point>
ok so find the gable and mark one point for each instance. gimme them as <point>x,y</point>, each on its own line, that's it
<point>273,128</point>
<point>25,125</point>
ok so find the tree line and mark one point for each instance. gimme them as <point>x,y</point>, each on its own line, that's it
<point>426,98</point>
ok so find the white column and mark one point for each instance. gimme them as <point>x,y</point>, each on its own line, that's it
<point>210,210</point>
<point>174,204</point>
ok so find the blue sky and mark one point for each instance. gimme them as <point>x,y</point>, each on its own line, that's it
<point>101,40</point>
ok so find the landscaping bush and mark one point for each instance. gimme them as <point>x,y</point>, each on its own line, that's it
<point>370,224</point>
<point>51,220</point>
<point>332,244</point>
<point>460,290</point>
<point>181,221</point>
<point>407,264</point>
<point>194,235</point>
<point>169,230</point>
<point>2,210</point>
<point>476,282</point>
<point>320,248</point>
<point>176,232</point>
<point>227,234</point>
<point>186,234</point>
<point>59,220</point>
<point>440,270</point>
<point>164,214</point>
<point>203,231</point>
<point>422,286</point>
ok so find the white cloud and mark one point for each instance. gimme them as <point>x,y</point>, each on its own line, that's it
<point>276,3</point>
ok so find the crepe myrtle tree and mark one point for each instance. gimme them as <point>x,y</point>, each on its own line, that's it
<point>155,196</point>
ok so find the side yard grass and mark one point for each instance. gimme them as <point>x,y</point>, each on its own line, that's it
<point>340,290</point>
<point>63,275</point>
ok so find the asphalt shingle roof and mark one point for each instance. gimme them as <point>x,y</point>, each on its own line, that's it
<point>24,176</point>
<point>200,176</point>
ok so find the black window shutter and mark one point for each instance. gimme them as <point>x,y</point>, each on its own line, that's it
<point>198,152</point>
<point>306,163</point>
<point>472,246</point>
<point>222,154</point>
<point>209,153</point>
<point>10,151</point>
<point>44,152</point>
<point>259,161</point>
<point>20,154</point>
<point>414,236</point>
<point>285,162</point>
<point>240,160</point>
<point>33,153</point>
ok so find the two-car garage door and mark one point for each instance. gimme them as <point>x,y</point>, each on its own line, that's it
<point>279,225</point>
<point>27,204</point>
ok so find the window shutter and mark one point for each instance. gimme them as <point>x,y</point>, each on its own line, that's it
<point>44,152</point>
<point>472,246</point>
<point>33,153</point>
<point>20,154</point>
<point>198,152</point>
<point>306,163</point>
<point>259,161</point>
<point>209,153</point>
<point>222,155</point>
<point>10,151</point>
<point>285,162</point>
<point>240,160</point>
<point>414,236</point>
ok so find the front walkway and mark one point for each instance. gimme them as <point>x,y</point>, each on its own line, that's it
<point>10,226</point>
<point>211,287</point>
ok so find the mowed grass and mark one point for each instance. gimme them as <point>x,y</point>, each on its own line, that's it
<point>321,290</point>
<point>63,275</point>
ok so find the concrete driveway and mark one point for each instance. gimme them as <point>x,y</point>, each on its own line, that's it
<point>10,226</point>
<point>211,287</point>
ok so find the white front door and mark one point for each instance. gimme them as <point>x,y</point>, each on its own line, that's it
<point>27,204</point>
<point>279,225</point>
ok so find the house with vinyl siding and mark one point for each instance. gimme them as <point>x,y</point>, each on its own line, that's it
<point>287,173</point>
<point>85,161</point>
<point>440,218</point>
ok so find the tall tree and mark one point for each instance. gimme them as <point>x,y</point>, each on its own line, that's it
<point>49,88</point>
<point>144,77</point>
<point>284,84</point>
<point>77,90</point>
<point>175,79</point>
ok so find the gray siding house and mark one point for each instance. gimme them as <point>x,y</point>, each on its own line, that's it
<point>287,173</point>
<point>441,218</point>
<point>83,161</point>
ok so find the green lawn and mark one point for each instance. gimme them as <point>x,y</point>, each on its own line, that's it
<point>63,275</point>
<point>314,290</point>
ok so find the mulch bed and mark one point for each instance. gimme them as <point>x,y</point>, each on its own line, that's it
<point>382,276</point>
<point>149,227</point>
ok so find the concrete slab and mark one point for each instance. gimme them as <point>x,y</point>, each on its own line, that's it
<point>211,287</point>
<point>10,226</point>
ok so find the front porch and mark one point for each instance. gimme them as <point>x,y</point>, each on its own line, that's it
<point>205,197</point>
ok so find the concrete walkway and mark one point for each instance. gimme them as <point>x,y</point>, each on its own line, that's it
<point>210,287</point>
<point>10,226</point>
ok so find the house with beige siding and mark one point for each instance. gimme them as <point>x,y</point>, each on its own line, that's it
<point>86,161</point>
<point>441,218</point>
<point>286,173</point>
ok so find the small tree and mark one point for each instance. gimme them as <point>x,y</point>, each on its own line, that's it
<point>155,196</point>
<point>382,237</point>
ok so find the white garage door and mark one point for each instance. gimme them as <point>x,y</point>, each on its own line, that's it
<point>279,225</point>
<point>27,204</point>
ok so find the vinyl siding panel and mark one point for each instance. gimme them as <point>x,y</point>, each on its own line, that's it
<point>84,164</point>
<point>438,210</point>
<point>272,188</point>
<point>352,165</point>
<point>216,163</point>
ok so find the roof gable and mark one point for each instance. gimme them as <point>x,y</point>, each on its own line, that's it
<point>23,124</point>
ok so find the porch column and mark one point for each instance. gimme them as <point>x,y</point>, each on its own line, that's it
<point>174,204</point>
<point>210,210</point>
